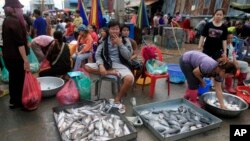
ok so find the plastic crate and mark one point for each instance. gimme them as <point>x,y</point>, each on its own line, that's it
<point>175,73</point>
<point>202,90</point>
<point>244,93</point>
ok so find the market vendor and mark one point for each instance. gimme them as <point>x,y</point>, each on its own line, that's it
<point>195,65</point>
<point>40,46</point>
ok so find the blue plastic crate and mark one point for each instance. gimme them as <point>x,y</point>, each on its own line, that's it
<point>202,90</point>
<point>175,73</point>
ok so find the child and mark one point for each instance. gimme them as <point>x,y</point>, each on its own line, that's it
<point>242,66</point>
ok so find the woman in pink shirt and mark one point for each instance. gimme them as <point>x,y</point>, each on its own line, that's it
<point>84,47</point>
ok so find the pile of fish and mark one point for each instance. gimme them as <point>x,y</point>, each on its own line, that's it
<point>90,123</point>
<point>172,122</point>
<point>228,105</point>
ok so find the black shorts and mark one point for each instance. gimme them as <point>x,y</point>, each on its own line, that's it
<point>187,69</point>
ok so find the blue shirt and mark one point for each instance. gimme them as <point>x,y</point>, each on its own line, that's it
<point>40,25</point>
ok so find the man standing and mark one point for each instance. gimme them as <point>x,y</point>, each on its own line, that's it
<point>77,22</point>
<point>40,24</point>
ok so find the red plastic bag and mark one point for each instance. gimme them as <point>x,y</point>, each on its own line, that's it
<point>32,94</point>
<point>68,94</point>
<point>244,93</point>
<point>44,65</point>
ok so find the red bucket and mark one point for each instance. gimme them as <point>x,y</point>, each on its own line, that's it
<point>244,93</point>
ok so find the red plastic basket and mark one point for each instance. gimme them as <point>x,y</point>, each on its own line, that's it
<point>244,93</point>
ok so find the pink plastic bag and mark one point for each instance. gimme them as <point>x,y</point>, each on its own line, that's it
<point>68,94</point>
<point>32,94</point>
<point>44,65</point>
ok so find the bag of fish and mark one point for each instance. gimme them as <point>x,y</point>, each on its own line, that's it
<point>156,67</point>
<point>68,94</point>
<point>31,95</point>
<point>83,84</point>
<point>173,122</point>
<point>90,123</point>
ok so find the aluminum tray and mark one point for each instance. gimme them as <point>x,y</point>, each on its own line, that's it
<point>174,104</point>
<point>130,137</point>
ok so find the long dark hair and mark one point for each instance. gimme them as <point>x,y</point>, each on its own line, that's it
<point>228,66</point>
<point>56,46</point>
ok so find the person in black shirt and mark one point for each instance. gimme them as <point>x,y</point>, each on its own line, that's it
<point>215,33</point>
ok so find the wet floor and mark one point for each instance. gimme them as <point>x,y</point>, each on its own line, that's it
<point>39,125</point>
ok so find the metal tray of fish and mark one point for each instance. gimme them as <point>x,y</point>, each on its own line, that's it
<point>176,119</point>
<point>87,120</point>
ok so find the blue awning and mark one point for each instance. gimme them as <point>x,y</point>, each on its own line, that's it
<point>73,1</point>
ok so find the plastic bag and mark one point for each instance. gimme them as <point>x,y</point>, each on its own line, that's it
<point>32,94</point>
<point>83,84</point>
<point>34,64</point>
<point>5,72</point>
<point>68,94</point>
<point>156,67</point>
<point>45,64</point>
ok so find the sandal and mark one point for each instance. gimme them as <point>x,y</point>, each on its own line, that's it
<point>121,107</point>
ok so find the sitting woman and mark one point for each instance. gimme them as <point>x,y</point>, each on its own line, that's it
<point>58,56</point>
<point>40,46</point>
<point>243,66</point>
<point>195,65</point>
<point>135,64</point>
<point>84,47</point>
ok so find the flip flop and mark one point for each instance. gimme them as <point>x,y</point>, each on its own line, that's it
<point>119,105</point>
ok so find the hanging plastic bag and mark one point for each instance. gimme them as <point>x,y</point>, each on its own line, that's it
<point>156,67</point>
<point>31,92</point>
<point>68,94</point>
<point>34,64</point>
<point>5,72</point>
<point>83,84</point>
<point>45,64</point>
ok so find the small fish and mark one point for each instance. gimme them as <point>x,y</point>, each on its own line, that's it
<point>185,129</point>
<point>126,130</point>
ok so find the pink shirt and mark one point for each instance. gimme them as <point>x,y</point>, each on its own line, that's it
<point>43,40</point>
<point>94,37</point>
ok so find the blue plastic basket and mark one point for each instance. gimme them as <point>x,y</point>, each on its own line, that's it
<point>175,73</point>
<point>202,90</point>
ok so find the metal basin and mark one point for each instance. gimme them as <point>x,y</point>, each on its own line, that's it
<point>50,85</point>
<point>229,98</point>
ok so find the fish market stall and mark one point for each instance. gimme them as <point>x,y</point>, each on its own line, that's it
<point>176,119</point>
<point>92,121</point>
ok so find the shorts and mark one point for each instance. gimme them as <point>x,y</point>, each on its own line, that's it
<point>187,69</point>
<point>123,70</point>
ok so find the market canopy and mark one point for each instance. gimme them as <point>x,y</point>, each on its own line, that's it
<point>136,3</point>
<point>241,7</point>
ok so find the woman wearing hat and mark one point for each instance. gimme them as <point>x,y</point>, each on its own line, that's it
<point>195,65</point>
<point>84,46</point>
<point>15,50</point>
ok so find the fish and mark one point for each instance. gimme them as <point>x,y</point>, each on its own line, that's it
<point>172,122</point>
<point>89,123</point>
<point>185,129</point>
